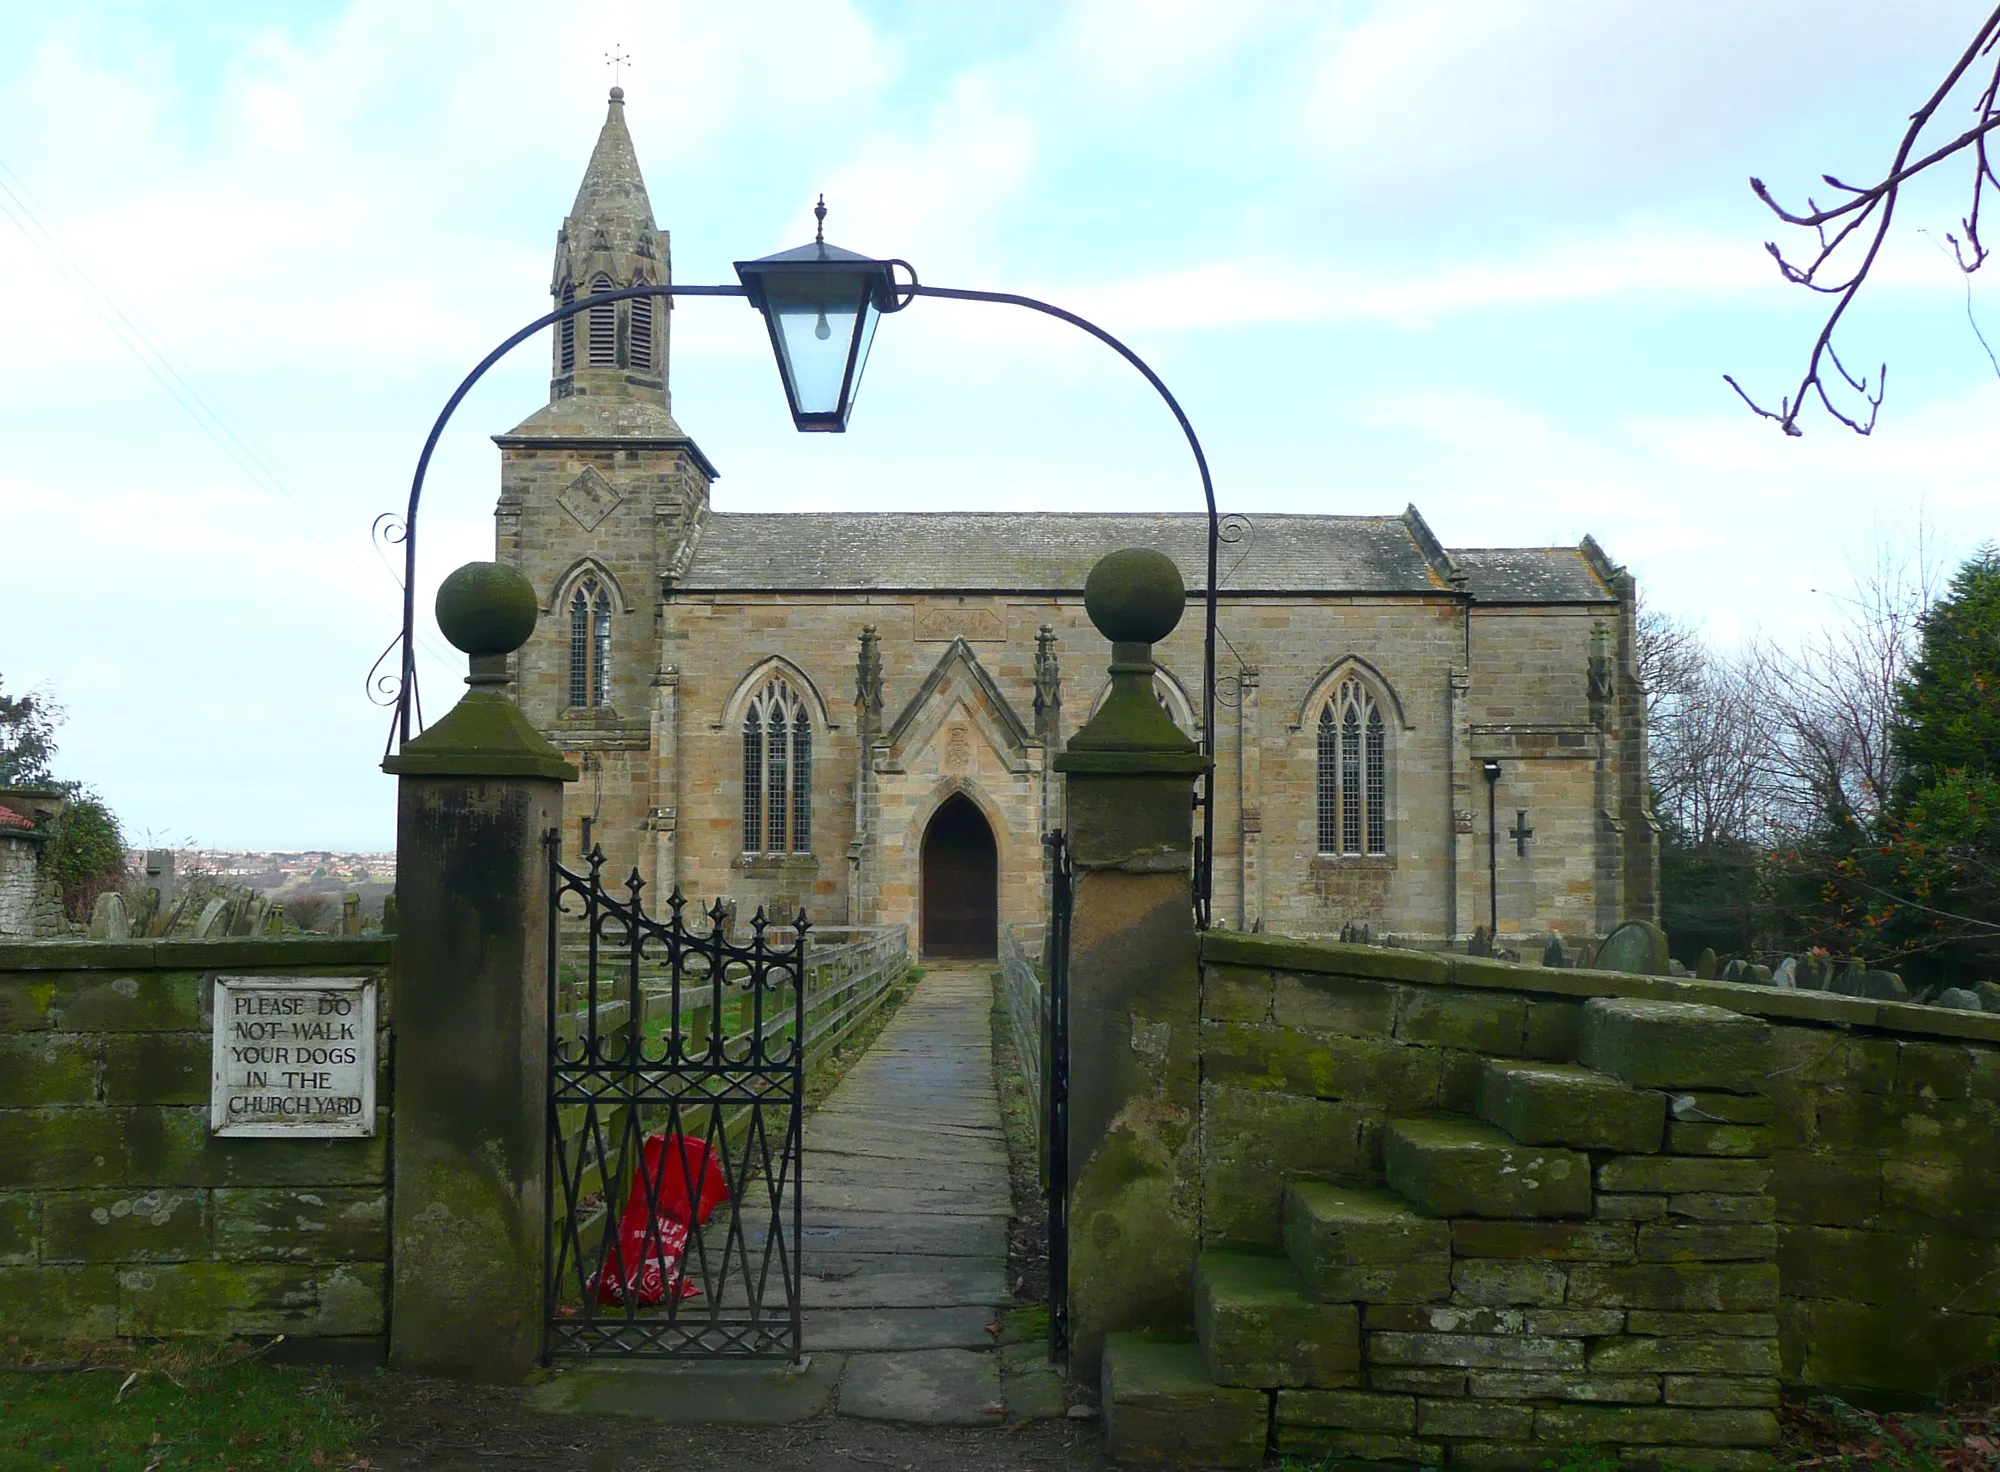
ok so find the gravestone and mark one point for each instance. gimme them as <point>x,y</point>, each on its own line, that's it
<point>1704,964</point>
<point>1787,974</point>
<point>1636,946</point>
<point>213,920</point>
<point>145,908</point>
<point>1959,997</point>
<point>1552,954</point>
<point>107,918</point>
<point>350,914</point>
<point>1812,973</point>
<point>1757,975</point>
<point>1989,995</point>
<point>1883,986</point>
<point>1481,943</point>
<point>1734,969</point>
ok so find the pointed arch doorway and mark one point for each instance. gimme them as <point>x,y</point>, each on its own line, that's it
<point>961,883</point>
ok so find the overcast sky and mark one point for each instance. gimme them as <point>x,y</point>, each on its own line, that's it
<point>1488,257</point>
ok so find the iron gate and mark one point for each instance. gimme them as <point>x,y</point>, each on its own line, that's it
<point>676,1076</point>
<point>1055,1052</point>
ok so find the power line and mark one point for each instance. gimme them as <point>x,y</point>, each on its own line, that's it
<point>30,217</point>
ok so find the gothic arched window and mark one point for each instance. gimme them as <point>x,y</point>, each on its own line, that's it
<point>642,330</point>
<point>589,645</point>
<point>566,356</point>
<point>603,326</point>
<point>1353,774</point>
<point>777,773</point>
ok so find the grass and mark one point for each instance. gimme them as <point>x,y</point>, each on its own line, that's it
<point>220,1408</point>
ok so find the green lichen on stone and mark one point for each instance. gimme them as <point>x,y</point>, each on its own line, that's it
<point>47,1068</point>
<point>1159,1406</point>
<point>302,1224</point>
<point>1455,1167</point>
<point>1743,1140</point>
<point>1676,1045</point>
<point>1592,1241</point>
<point>1566,1104</point>
<point>1678,1242</point>
<point>1656,1425</point>
<point>1257,1327</point>
<point>157,1068</point>
<point>25,1002</point>
<point>1384,1075</point>
<point>1678,1287</point>
<point>1348,1410</point>
<point>20,1218</point>
<point>1256,1142</point>
<point>142,1001</point>
<point>1667,1174</point>
<point>62,1146</point>
<point>54,1304</point>
<point>1336,1004</point>
<point>1365,1245</point>
<point>1482,1022</point>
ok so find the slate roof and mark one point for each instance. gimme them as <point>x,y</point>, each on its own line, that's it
<point>1054,552</point>
<point>1531,575</point>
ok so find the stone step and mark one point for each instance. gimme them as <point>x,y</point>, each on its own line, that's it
<point>1676,1045</point>
<point>1257,1326</point>
<point>1465,1167</point>
<point>1568,1104</point>
<point>1365,1246</point>
<point>1159,1406</point>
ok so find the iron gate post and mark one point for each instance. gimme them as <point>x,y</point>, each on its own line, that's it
<point>1134,985</point>
<point>475,795</point>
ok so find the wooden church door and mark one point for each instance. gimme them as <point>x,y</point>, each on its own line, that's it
<point>961,883</point>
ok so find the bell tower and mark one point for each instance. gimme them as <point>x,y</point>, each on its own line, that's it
<point>601,494</point>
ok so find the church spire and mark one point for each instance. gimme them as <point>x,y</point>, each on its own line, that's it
<point>610,241</point>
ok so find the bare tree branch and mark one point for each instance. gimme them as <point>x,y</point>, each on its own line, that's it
<point>1869,211</point>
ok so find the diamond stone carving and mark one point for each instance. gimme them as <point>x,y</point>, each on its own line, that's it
<point>589,498</point>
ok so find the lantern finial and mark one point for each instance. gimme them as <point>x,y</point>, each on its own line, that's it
<point>819,215</point>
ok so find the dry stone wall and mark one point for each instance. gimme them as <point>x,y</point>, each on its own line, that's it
<point>120,1214</point>
<point>1509,1208</point>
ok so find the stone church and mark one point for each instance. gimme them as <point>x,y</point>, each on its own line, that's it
<point>857,713</point>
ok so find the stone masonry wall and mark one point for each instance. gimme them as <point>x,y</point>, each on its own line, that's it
<point>1876,1137</point>
<point>119,1214</point>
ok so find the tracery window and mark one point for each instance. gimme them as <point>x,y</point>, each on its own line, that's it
<point>603,326</point>
<point>777,773</point>
<point>1353,778</point>
<point>589,645</point>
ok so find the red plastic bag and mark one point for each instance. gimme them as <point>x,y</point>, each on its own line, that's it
<point>652,1238</point>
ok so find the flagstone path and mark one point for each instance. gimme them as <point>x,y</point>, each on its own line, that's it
<point>904,1251</point>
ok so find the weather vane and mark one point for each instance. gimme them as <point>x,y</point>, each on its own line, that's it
<point>616,58</point>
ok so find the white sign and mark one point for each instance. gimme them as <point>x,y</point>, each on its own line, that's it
<point>293,1056</point>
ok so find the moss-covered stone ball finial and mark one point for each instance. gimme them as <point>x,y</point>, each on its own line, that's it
<point>486,608</point>
<point>1135,596</point>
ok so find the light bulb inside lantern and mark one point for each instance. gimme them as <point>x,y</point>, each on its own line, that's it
<point>822,329</point>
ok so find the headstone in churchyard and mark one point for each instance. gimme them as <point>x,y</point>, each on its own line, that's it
<point>1481,943</point>
<point>274,920</point>
<point>145,905</point>
<point>1704,964</point>
<point>1757,975</point>
<point>1787,973</point>
<point>1637,946</point>
<point>1959,997</point>
<point>213,920</point>
<point>350,914</point>
<point>107,917</point>
<point>1812,973</point>
<point>1847,981</point>
<point>293,1056</point>
<point>1883,986</point>
<point>1989,995</point>
<point>1734,968</point>
<point>250,917</point>
<point>1552,953</point>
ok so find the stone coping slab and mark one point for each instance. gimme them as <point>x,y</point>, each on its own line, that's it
<point>196,955</point>
<point>1336,958</point>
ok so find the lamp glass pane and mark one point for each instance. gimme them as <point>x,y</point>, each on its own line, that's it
<point>816,318</point>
